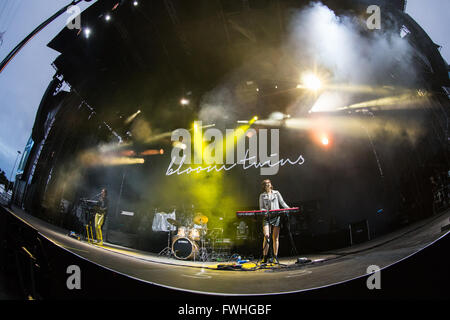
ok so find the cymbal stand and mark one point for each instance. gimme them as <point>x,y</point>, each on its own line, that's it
<point>214,235</point>
<point>204,256</point>
<point>167,251</point>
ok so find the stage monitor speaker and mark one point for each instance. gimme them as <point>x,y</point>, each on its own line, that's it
<point>123,239</point>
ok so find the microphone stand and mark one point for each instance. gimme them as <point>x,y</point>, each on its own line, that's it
<point>293,249</point>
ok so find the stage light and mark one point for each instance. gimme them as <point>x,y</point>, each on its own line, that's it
<point>132,117</point>
<point>321,137</point>
<point>151,152</point>
<point>311,82</point>
<point>184,101</point>
<point>93,159</point>
<point>198,143</point>
<point>253,120</point>
<point>276,116</point>
<point>421,93</point>
<point>135,3</point>
<point>107,17</point>
<point>179,145</point>
<point>87,32</point>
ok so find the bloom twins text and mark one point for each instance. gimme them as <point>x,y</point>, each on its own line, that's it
<point>209,149</point>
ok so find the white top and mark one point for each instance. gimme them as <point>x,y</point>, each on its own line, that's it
<point>271,201</point>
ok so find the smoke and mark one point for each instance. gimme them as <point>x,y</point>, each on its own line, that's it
<point>141,130</point>
<point>357,63</point>
<point>360,68</point>
<point>341,45</point>
<point>214,105</point>
<point>221,105</point>
<point>354,63</point>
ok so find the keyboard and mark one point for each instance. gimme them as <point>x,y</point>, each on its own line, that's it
<point>264,213</point>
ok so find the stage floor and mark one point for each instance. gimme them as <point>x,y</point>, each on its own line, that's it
<point>326,268</point>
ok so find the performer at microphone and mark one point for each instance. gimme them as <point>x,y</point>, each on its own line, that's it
<point>100,215</point>
<point>271,199</point>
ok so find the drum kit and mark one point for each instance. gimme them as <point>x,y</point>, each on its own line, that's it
<point>193,240</point>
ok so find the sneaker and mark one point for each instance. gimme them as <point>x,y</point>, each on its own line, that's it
<point>264,259</point>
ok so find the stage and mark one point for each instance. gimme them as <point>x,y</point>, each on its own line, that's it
<point>325,268</point>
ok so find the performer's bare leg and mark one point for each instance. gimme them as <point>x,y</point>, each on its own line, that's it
<point>266,232</point>
<point>276,240</point>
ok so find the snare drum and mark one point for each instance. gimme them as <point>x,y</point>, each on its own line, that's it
<point>185,249</point>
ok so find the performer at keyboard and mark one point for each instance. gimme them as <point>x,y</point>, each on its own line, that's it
<point>100,215</point>
<point>269,200</point>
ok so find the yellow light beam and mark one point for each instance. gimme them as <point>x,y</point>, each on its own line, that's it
<point>401,100</point>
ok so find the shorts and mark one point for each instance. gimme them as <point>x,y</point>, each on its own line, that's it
<point>275,221</point>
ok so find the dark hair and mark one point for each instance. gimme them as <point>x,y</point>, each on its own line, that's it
<point>263,184</point>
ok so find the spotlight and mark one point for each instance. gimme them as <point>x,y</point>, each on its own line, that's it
<point>151,152</point>
<point>132,117</point>
<point>135,3</point>
<point>184,102</point>
<point>421,93</point>
<point>253,120</point>
<point>276,116</point>
<point>311,81</point>
<point>87,32</point>
<point>325,141</point>
<point>107,17</point>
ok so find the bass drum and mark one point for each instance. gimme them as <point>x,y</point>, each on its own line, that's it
<point>184,248</point>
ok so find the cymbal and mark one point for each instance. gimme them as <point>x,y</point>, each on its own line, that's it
<point>173,222</point>
<point>200,219</point>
